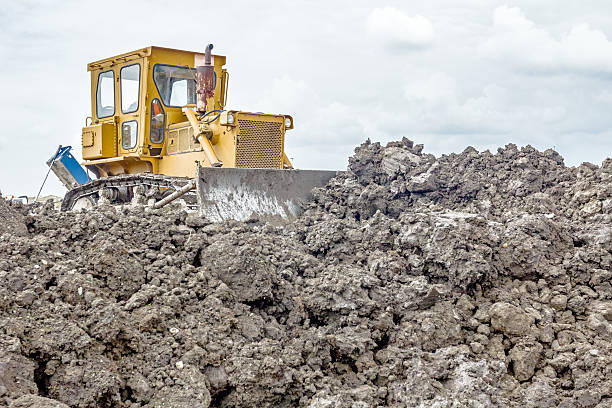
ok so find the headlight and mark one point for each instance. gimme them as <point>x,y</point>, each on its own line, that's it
<point>230,118</point>
<point>287,122</point>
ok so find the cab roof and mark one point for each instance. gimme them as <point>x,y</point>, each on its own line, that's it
<point>132,55</point>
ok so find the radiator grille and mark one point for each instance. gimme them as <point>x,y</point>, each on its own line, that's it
<point>259,144</point>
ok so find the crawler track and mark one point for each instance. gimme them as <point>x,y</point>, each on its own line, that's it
<point>92,188</point>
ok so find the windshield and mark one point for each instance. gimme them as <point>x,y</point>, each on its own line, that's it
<point>176,85</point>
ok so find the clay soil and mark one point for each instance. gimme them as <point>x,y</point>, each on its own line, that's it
<point>468,280</point>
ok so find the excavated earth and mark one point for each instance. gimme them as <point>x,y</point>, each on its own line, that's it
<point>468,280</point>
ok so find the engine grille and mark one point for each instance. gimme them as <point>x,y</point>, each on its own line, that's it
<point>259,144</point>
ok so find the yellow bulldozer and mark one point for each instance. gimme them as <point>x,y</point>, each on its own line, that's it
<point>160,130</point>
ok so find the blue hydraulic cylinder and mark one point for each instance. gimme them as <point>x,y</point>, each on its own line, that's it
<point>67,168</point>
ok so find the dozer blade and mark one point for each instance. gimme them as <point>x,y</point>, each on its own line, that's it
<point>240,194</point>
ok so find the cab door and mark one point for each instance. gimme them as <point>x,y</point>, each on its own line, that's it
<point>130,106</point>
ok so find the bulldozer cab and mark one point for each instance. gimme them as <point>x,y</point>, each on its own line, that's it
<point>137,95</point>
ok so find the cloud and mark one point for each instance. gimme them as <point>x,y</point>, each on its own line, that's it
<point>437,104</point>
<point>396,29</point>
<point>285,94</point>
<point>436,89</point>
<point>317,119</point>
<point>520,42</point>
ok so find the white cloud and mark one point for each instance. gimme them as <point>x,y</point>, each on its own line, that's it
<point>438,104</point>
<point>519,41</point>
<point>325,122</point>
<point>284,95</point>
<point>394,28</point>
<point>437,88</point>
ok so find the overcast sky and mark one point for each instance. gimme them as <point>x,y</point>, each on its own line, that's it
<point>448,74</point>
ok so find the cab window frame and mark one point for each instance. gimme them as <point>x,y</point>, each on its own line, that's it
<point>139,87</point>
<point>135,143</point>
<point>161,97</point>
<point>114,95</point>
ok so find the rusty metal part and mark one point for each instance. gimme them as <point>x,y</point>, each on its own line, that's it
<point>205,80</point>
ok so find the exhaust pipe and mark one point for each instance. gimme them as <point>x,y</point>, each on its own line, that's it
<point>205,78</point>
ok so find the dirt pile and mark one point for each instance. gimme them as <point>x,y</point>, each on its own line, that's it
<point>473,279</point>
<point>11,220</point>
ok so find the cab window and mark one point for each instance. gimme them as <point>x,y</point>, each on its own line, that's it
<point>158,119</point>
<point>105,94</point>
<point>129,134</point>
<point>130,87</point>
<point>176,85</point>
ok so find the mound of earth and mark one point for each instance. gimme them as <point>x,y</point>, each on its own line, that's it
<point>467,280</point>
<point>11,221</point>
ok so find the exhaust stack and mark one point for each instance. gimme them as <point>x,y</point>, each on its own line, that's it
<point>205,78</point>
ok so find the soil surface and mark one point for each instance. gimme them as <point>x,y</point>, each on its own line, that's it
<point>468,280</point>
<point>11,221</point>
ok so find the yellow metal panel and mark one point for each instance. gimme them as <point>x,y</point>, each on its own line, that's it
<point>88,138</point>
<point>119,59</point>
<point>99,141</point>
<point>224,145</point>
<point>172,142</point>
<point>184,140</point>
<point>181,165</point>
<point>180,139</point>
<point>122,165</point>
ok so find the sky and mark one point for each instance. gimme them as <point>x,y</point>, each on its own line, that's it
<point>448,74</point>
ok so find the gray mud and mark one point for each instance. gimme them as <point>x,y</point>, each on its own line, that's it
<point>468,280</point>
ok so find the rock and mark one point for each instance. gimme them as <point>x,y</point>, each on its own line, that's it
<point>396,160</point>
<point>540,394</point>
<point>141,298</point>
<point>65,384</point>
<point>422,183</point>
<point>525,358</point>
<point>510,319</point>
<point>140,388</point>
<point>602,307</point>
<point>190,392</point>
<point>195,221</point>
<point>559,302</point>
<point>562,361</point>
<point>16,375</point>
<point>217,378</point>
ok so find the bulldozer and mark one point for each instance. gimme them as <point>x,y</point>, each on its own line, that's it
<point>160,130</point>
